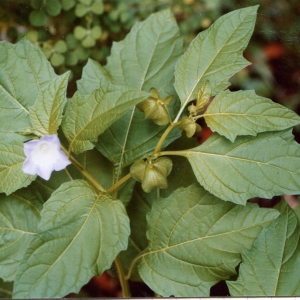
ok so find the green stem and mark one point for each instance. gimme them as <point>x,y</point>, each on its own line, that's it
<point>163,137</point>
<point>127,277</point>
<point>121,275</point>
<point>83,171</point>
<point>118,183</point>
<point>177,153</point>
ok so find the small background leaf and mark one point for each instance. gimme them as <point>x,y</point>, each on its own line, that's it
<point>81,232</point>
<point>20,215</point>
<point>244,113</point>
<point>271,267</point>
<point>192,232</point>
<point>6,289</point>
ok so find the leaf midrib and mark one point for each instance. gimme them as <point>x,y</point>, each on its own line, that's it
<point>199,239</point>
<point>209,65</point>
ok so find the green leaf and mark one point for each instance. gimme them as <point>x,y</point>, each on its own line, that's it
<point>244,113</point>
<point>46,113</point>
<point>93,74</point>
<point>215,54</point>
<point>261,166</point>
<point>146,58</point>
<point>88,116</point>
<point>194,233</point>
<point>53,7</point>
<point>82,231</point>
<point>24,71</point>
<point>12,158</point>
<point>271,267</point>
<point>37,18</point>
<point>147,54</point>
<point>20,215</point>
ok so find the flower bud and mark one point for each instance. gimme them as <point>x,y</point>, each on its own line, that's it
<point>155,108</point>
<point>189,126</point>
<point>152,173</point>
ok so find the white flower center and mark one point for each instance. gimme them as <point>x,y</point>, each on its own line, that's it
<point>44,147</point>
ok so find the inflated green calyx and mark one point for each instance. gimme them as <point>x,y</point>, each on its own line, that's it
<point>189,126</point>
<point>152,173</point>
<point>156,108</point>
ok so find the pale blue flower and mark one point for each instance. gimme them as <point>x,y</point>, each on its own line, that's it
<point>44,156</point>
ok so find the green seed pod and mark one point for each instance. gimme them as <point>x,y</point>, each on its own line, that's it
<point>152,173</point>
<point>137,170</point>
<point>156,174</point>
<point>156,108</point>
<point>189,126</point>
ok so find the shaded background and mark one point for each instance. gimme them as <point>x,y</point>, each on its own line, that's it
<point>70,31</point>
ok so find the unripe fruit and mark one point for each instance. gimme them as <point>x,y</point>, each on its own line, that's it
<point>152,173</point>
<point>189,126</point>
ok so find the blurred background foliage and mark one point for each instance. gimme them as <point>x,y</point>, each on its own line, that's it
<point>71,31</point>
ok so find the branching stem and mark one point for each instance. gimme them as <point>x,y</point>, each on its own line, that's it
<point>118,183</point>
<point>163,137</point>
<point>83,171</point>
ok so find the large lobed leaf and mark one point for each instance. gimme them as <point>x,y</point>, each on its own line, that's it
<point>271,267</point>
<point>262,166</point>
<point>244,113</point>
<point>215,54</point>
<point>46,113</point>
<point>12,158</point>
<point>20,215</point>
<point>195,240</point>
<point>146,58</point>
<point>24,72</point>
<point>81,232</point>
<point>88,116</point>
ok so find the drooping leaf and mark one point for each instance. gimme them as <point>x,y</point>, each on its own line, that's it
<point>262,166</point>
<point>215,54</point>
<point>46,114</point>
<point>244,113</point>
<point>88,116</point>
<point>82,231</point>
<point>144,59</point>
<point>271,267</point>
<point>194,233</point>
<point>12,158</point>
<point>24,71</point>
<point>20,215</point>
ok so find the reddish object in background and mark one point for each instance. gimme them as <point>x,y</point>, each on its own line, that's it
<point>273,51</point>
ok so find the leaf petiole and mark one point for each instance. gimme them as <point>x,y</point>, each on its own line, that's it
<point>118,183</point>
<point>83,171</point>
<point>163,137</point>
